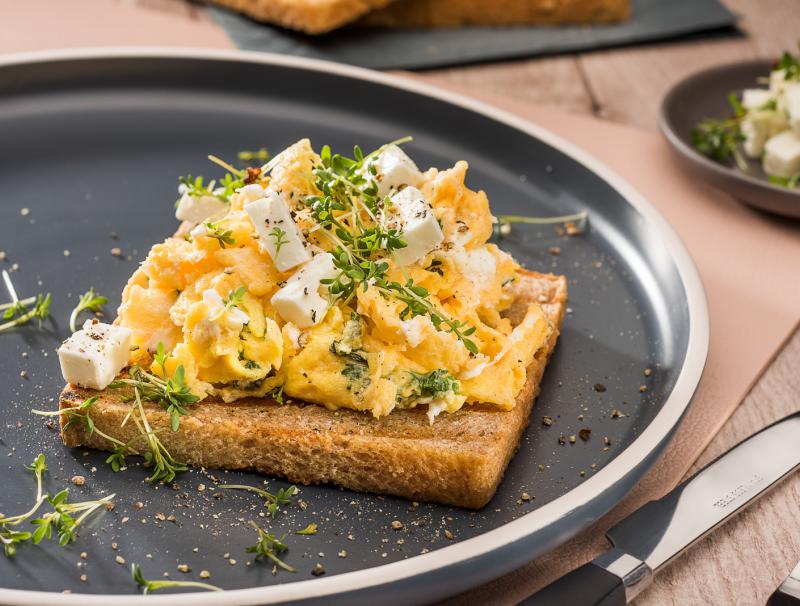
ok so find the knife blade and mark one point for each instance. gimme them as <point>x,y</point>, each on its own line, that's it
<point>652,536</point>
<point>788,594</point>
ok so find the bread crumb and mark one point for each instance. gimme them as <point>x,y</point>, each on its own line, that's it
<point>525,496</point>
<point>78,480</point>
<point>342,553</point>
<point>318,570</point>
<point>119,560</point>
<point>448,534</point>
<point>116,251</point>
<point>184,568</point>
<point>648,372</point>
<point>204,574</point>
<point>397,525</point>
<point>84,578</point>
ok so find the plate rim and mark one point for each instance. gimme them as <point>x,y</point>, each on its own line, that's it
<point>647,444</point>
<point>721,171</point>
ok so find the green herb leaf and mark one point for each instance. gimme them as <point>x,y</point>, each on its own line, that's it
<point>89,301</point>
<point>308,530</point>
<point>151,586</point>
<point>268,546</point>
<point>221,235</point>
<point>273,502</point>
<point>718,139</point>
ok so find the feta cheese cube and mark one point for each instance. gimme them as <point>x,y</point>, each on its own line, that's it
<point>756,131</point>
<point>234,318</point>
<point>418,225</point>
<point>92,357</point>
<point>782,154</point>
<point>252,192</point>
<point>198,231</point>
<point>478,265</point>
<point>393,169</point>
<point>753,98</point>
<point>791,104</point>
<point>300,301</point>
<point>777,80</point>
<point>197,209</point>
<point>278,234</point>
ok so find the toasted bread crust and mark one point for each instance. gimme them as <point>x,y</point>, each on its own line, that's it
<point>454,13</point>
<point>310,16</point>
<point>459,460</point>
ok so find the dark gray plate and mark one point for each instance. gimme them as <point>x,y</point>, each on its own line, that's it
<point>705,95</point>
<point>91,142</point>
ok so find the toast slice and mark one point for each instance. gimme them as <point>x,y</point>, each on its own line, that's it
<point>309,16</point>
<point>455,13</point>
<point>458,460</point>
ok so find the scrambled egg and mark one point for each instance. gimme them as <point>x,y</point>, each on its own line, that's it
<point>208,302</point>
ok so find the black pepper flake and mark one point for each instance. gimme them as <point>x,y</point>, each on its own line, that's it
<point>599,387</point>
<point>318,570</point>
<point>584,434</point>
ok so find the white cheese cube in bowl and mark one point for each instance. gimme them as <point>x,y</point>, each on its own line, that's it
<point>394,169</point>
<point>277,232</point>
<point>94,356</point>
<point>418,225</point>
<point>756,131</point>
<point>782,154</point>
<point>791,104</point>
<point>301,300</point>
<point>197,209</point>
<point>753,98</point>
<point>777,81</point>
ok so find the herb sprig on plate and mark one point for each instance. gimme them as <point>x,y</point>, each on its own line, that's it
<point>151,586</point>
<point>17,312</point>
<point>273,502</point>
<point>63,520</point>
<point>89,301</point>
<point>269,546</point>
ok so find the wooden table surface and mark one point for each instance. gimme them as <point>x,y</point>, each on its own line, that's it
<point>743,562</point>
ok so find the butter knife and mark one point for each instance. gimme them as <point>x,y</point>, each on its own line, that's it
<point>788,594</point>
<point>651,537</point>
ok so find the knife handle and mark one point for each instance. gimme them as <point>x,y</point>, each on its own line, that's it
<point>613,579</point>
<point>788,594</point>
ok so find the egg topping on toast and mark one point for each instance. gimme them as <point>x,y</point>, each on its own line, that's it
<point>350,283</point>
